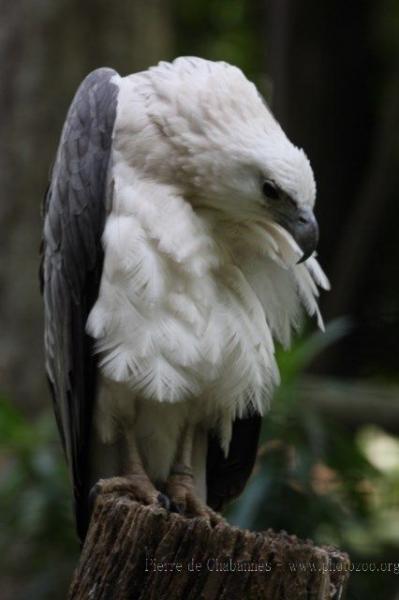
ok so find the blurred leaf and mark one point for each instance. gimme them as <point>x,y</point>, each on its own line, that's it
<point>36,532</point>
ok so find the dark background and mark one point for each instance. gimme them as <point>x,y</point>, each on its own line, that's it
<point>329,460</point>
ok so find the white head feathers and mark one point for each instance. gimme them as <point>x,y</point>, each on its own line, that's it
<point>214,133</point>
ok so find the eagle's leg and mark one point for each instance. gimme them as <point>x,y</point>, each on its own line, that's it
<point>135,481</point>
<point>180,486</point>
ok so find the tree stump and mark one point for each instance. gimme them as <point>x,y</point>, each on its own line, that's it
<point>143,552</point>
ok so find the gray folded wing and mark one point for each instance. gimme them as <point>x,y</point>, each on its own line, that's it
<point>72,258</point>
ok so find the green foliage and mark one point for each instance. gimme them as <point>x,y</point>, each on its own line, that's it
<point>316,479</point>
<point>228,32</point>
<point>37,543</point>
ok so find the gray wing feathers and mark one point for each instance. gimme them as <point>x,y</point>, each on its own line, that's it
<point>74,212</point>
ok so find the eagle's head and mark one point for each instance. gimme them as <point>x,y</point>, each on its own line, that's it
<point>227,151</point>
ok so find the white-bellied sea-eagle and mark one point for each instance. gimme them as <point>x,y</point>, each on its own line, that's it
<point>178,247</point>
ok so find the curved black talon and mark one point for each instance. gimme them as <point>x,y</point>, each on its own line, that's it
<point>177,508</point>
<point>164,501</point>
<point>91,500</point>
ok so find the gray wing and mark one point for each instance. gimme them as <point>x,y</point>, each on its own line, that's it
<point>72,258</point>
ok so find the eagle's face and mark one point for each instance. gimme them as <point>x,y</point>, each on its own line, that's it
<point>270,180</point>
<point>293,212</point>
<point>228,152</point>
<point>286,191</point>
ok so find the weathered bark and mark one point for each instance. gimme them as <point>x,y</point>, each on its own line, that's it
<point>134,551</point>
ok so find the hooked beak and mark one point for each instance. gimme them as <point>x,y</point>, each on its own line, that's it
<point>306,233</point>
<point>303,227</point>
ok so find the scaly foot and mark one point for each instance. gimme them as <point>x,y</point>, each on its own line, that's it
<point>136,485</point>
<point>183,496</point>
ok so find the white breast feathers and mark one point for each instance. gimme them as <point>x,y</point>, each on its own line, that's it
<point>176,318</point>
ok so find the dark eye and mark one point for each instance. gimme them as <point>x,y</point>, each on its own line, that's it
<point>270,190</point>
